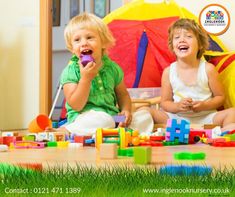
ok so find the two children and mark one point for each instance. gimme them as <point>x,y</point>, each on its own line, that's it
<point>190,86</point>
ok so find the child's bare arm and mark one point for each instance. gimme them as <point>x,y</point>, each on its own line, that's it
<point>77,94</point>
<point>217,90</point>
<point>167,102</point>
<point>124,102</point>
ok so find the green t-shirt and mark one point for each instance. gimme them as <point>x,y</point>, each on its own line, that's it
<point>102,96</point>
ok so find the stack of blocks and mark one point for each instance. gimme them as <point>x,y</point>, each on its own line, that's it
<point>177,129</point>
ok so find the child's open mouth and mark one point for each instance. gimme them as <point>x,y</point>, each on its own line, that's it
<point>86,52</point>
<point>183,48</point>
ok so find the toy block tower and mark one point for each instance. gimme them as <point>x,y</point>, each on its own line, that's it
<point>177,129</point>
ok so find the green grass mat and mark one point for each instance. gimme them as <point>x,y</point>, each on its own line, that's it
<point>112,181</point>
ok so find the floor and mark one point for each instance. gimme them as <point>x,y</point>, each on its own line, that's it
<point>216,157</point>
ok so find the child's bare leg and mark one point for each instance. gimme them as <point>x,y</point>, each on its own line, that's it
<point>159,117</point>
<point>226,119</point>
<point>60,129</point>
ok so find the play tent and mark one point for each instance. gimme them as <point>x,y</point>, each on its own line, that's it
<point>141,32</point>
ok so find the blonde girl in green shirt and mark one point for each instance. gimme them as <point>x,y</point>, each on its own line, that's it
<point>95,92</point>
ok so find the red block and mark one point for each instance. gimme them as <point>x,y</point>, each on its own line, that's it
<point>194,134</point>
<point>223,144</point>
<point>157,138</point>
<point>81,139</point>
<point>8,140</point>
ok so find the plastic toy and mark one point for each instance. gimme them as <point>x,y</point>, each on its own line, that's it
<point>108,151</point>
<point>82,139</point>
<point>101,134</point>
<point>223,144</point>
<point>128,152</point>
<point>189,156</point>
<point>7,140</point>
<point>119,118</point>
<point>51,144</point>
<point>177,130</point>
<point>63,144</point>
<point>195,136</point>
<point>85,59</point>
<point>28,144</point>
<point>185,170</point>
<point>40,123</point>
<point>142,155</point>
<point>3,148</point>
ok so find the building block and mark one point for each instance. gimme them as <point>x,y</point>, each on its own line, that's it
<point>189,156</point>
<point>42,136</point>
<point>195,136</point>
<point>223,144</point>
<point>142,155</point>
<point>230,136</point>
<point>119,118</point>
<point>185,170</point>
<point>7,133</point>
<point>177,129</point>
<point>166,143</point>
<point>75,145</point>
<point>19,138</point>
<point>51,144</point>
<point>3,148</point>
<point>108,151</point>
<point>7,140</point>
<point>62,144</point>
<point>29,138</point>
<point>231,132</point>
<point>118,132</point>
<point>127,152</point>
<point>28,144</point>
<point>82,139</point>
<point>59,136</point>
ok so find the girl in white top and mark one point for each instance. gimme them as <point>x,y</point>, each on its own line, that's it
<point>190,88</point>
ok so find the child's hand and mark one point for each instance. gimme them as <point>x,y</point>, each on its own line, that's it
<point>197,106</point>
<point>89,71</point>
<point>185,104</point>
<point>127,120</point>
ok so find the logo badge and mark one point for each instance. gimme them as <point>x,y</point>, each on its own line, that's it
<point>214,19</point>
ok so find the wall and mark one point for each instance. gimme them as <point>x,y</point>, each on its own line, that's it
<point>19,62</point>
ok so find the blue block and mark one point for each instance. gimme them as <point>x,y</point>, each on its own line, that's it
<point>185,170</point>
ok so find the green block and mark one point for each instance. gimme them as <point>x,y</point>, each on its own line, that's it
<point>125,152</point>
<point>130,152</point>
<point>142,155</point>
<point>168,143</point>
<point>121,152</point>
<point>230,136</point>
<point>29,138</point>
<point>189,156</point>
<point>51,144</point>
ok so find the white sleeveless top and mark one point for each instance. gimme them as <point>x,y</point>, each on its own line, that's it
<point>198,92</point>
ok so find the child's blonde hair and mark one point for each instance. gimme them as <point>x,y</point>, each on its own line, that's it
<point>92,22</point>
<point>189,24</point>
